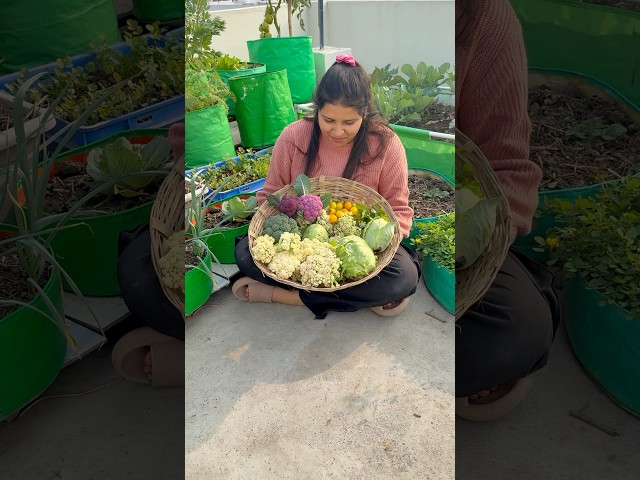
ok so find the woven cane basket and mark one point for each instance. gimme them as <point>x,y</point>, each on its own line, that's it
<point>474,281</point>
<point>167,217</point>
<point>340,188</point>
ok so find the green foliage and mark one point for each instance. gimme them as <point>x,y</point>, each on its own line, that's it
<point>437,238</point>
<point>154,71</point>
<point>296,7</point>
<point>594,131</point>
<point>227,62</point>
<point>403,94</point>
<point>435,193</point>
<point>200,28</point>
<point>237,209</point>
<point>236,173</point>
<point>121,162</point>
<point>597,238</point>
<point>204,89</point>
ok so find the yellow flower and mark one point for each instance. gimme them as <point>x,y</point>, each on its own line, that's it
<point>552,241</point>
<point>418,240</point>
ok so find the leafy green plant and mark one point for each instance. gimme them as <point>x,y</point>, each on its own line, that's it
<point>594,131</point>
<point>204,90</point>
<point>435,193</point>
<point>437,239</point>
<point>200,28</point>
<point>597,239</point>
<point>237,209</point>
<point>398,105</point>
<point>423,79</point>
<point>236,173</point>
<point>154,70</point>
<point>227,62</point>
<point>271,15</point>
<point>120,159</point>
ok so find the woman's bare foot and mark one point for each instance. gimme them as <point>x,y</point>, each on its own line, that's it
<point>483,393</point>
<point>388,306</point>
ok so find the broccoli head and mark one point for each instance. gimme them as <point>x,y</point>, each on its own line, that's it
<point>278,224</point>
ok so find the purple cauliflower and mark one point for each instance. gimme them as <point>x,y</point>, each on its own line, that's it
<point>311,206</point>
<point>289,205</point>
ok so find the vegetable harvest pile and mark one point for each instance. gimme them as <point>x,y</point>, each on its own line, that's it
<point>320,242</point>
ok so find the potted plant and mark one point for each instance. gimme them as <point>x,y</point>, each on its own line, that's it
<point>134,163</point>
<point>228,67</point>
<point>436,241</point>
<point>595,241</point>
<point>152,96</point>
<point>33,331</point>
<point>293,53</point>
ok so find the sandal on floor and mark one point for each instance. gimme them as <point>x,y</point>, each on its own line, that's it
<point>259,292</point>
<point>392,312</point>
<point>495,405</point>
<point>167,358</point>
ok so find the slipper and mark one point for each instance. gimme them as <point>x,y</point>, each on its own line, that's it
<point>392,312</point>
<point>497,404</point>
<point>259,292</point>
<point>167,358</point>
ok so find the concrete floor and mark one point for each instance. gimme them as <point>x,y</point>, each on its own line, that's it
<point>274,394</point>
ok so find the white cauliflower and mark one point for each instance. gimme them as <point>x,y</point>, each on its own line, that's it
<point>289,242</point>
<point>171,264</point>
<point>284,264</point>
<point>264,248</point>
<point>320,269</point>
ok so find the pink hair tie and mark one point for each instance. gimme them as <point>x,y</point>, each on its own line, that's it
<point>345,58</point>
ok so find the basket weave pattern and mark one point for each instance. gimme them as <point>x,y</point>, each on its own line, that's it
<point>167,217</point>
<point>474,281</point>
<point>340,188</point>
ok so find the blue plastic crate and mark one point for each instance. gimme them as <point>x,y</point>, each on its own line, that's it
<point>159,114</point>
<point>251,187</point>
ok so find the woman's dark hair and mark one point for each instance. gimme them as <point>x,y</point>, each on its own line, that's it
<point>349,86</point>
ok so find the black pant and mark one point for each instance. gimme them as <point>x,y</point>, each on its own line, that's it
<point>396,281</point>
<point>140,285</point>
<point>509,332</point>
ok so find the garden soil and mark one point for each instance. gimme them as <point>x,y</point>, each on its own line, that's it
<point>568,160</point>
<point>437,117</point>
<point>424,195</point>
<point>13,283</point>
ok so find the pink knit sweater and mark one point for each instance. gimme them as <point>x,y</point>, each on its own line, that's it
<point>491,102</point>
<point>387,174</point>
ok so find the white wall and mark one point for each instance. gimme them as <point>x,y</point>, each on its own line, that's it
<point>377,31</point>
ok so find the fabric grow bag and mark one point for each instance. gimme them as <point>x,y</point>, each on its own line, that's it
<point>32,351</point>
<point>225,75</point>
<point>263,107</point>
<point>222,242</point>
<point>198,286</point>
<point>293,54</point>
<point>606,340</point>
<point>158,10</point>
<point>208,136</point>
<point>440,282</point>
<point>40,31</point>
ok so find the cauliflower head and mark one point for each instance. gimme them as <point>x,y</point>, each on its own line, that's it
<point>311,206</point>
<point>289,205</point>
<point>278,224</point>
<point>171,264</point>
<point>284,264</point>
<point>264,248</point>
<point>320,269</point>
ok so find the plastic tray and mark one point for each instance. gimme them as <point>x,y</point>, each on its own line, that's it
<point>159,114</point>
<point>251,187</point>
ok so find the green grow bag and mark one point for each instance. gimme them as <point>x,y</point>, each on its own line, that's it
<point>88,252</point>
<point>222,243</point>
<point>424,153</point>
<point>440,282</point>
<point>158,10</point>
<point>225,75</point>
<point>263,107</point>
<point>40,31</point>
<point>32,351</point>
<point>208,137</point>
<point>198,286</point>
<point>293,54</point>
<point>606,341</point>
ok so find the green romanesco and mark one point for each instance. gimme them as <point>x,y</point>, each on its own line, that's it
<point>264,248</point>
<point>284,264</point>
<point>278,224</point>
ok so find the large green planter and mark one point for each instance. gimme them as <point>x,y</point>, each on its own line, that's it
<point>225,75</point>
<point>222,243</point>
<point>293,54</point>
<point>440,282</point>
<point>263,107</point>
<point>88,252</point>
<point>606,341</point>
<point>198,286</point>
<point>32,351</point>
<point>208,137</point>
